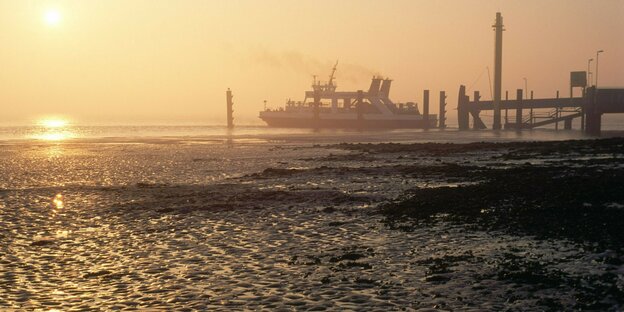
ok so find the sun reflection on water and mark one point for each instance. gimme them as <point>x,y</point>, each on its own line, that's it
<point>54,136</point>
<point>53,130</point>
<point>58,201</point>
<point>53,151</point>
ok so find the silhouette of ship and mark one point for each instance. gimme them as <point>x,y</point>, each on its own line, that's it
<point>324,107</point>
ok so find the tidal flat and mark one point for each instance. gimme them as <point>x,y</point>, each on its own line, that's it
<point>182,225</point>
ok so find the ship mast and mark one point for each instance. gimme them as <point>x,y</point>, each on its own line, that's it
<point>330,84</point>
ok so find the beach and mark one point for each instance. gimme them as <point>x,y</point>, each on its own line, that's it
<point>276,223</point>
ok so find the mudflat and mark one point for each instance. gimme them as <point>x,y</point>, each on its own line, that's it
<point>183,226</point>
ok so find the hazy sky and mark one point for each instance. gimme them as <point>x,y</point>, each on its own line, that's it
<point>157,61</point>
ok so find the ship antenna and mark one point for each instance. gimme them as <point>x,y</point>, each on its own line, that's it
<point>331,77</point>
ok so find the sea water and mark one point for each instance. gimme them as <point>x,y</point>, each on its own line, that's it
<point>263,134</point>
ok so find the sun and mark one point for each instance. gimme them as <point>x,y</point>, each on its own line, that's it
<point>52,17</point>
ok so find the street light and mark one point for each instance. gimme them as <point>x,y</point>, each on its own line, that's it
<point>589,72</point>
<point>597,54</point>
<point>525,86</point>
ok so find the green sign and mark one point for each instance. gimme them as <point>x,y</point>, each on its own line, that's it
<point>578,79</point>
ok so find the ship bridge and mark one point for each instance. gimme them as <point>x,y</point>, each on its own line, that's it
<point>378,96</point>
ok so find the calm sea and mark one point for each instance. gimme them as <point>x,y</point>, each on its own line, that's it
<point>260,134</point>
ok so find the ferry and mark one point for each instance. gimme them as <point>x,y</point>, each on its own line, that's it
<point>324,107</point>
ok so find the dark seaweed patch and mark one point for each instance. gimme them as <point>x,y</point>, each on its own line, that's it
<point>560,202</point>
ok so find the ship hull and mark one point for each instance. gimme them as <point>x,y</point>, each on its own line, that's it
<point>348,123</point>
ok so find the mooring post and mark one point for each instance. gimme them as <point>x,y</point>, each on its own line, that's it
<point>462,110</point>
<point>557,112</point>
<point>426,108</point>
<point>230,110</point>
<point>519,109</point>
<point>498,67</point>
<point>531,110</point>
<point>476,99</point>
<point>567,123</point>
<point>584,109</point>
<point>442,117</point>
<point>506,99</point>
<point>593,121</point>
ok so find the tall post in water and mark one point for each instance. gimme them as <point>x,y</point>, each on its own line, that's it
<point>531,111</point>
<point>442,117</point>
<point>426,108</point>
<point>463,121</point>
<point>230,111</point>
<point>519,109</point>
<point>593,114</point>
<point>557,112</point>
<point>498,68</point>
<point>506,99</point>
<point>476,97</point>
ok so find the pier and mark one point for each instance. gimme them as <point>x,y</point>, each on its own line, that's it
<point>590,107</point>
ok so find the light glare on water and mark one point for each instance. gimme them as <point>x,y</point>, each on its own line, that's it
<point>263,134</point>
<point>58,201</point>
<point>54,136</point>
<point>52,130</point>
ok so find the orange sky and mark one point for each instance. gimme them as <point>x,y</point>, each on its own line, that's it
<point>157,61</point>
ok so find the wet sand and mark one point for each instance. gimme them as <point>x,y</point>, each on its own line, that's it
<point>187,226</point>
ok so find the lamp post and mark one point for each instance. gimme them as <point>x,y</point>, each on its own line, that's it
<point>525,86</point>
<point>589,72</point>
<point>597,54</point>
